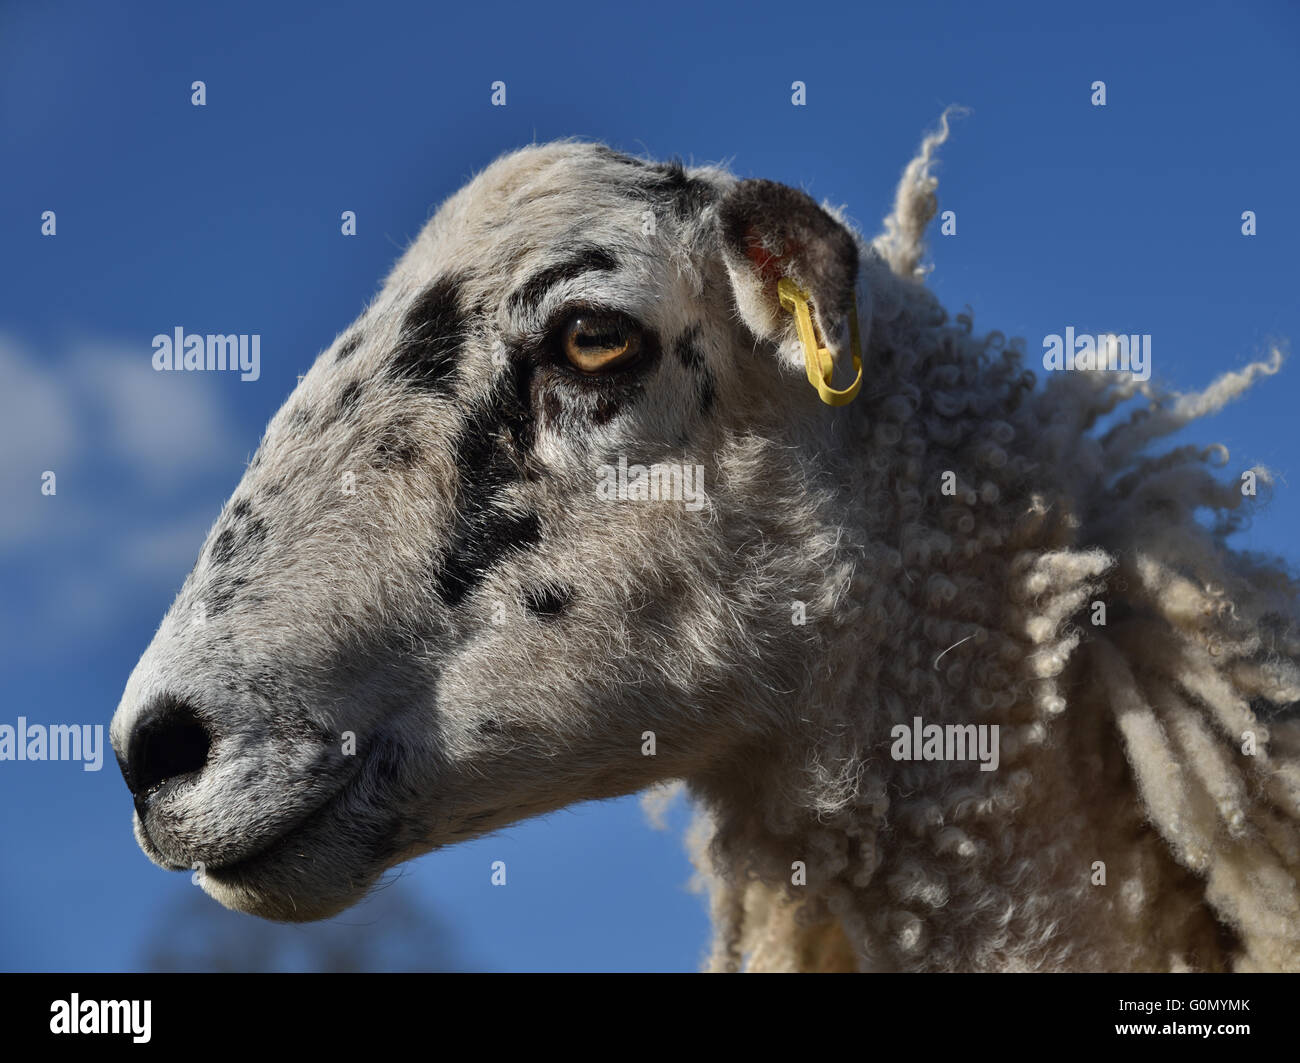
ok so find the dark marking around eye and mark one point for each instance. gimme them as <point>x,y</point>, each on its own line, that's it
<point>433,331</point>
<point>489,457</point>
<point>481,454</point>
<point>547,601</point>
<point>348,348</point>
<point>604,411</point>
<point>583,260</point>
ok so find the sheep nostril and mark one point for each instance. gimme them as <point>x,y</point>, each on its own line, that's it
<point>170,741</point>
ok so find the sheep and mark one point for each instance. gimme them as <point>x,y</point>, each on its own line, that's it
<point>953,674</point>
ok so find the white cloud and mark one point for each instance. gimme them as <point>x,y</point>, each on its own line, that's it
<point>162,425</point>
<point>103,403</point>
<point>39,431</point>
<point>140,459</point>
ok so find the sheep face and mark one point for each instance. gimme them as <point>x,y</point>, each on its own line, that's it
<point>532,531</point>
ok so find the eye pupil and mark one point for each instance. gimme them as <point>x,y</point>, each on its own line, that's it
<point>586,335</point>
<point>598,343</point>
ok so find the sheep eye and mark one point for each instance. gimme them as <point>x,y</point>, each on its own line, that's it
<point>598,342</point>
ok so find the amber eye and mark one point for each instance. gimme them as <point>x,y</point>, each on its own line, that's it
<point>598,342</point>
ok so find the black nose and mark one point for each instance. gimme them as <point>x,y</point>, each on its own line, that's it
<point>169,742</point>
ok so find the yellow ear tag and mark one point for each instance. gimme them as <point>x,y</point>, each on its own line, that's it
<point>817,359</point>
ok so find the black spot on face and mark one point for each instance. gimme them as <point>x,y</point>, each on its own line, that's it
<point>433,332</point>
<point>583,260</point>
<point>221,595</point>
<point>686,196</point>
<point>708,394</point>
<point>254,534</point>
<point>232,550</point>
<point>604,151</point>
<point>471,557</point>
<point>349,399</point>
<point>547,601</point>
<point>223,547</point>
<point>348,348</point>
<point>397,446</point>
<point>489,728</point>
<point>688,353</point>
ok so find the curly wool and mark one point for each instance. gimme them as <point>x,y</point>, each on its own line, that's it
<point>1121,745</point>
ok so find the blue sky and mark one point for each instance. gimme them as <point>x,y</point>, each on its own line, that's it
<point>225,218</point>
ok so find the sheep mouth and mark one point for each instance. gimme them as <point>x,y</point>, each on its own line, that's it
<point>273,849</point>
<point>206,865</point>
<point>268,851</point>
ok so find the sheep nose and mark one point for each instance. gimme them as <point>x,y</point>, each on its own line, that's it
<point>168,742</point>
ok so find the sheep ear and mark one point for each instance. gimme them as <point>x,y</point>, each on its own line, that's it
<point>770,231</point>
